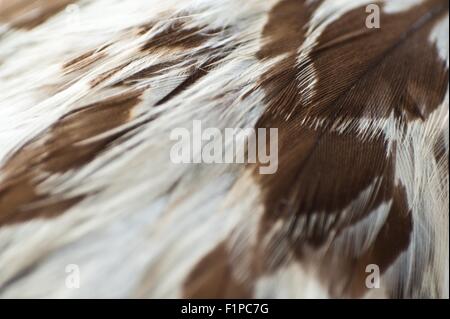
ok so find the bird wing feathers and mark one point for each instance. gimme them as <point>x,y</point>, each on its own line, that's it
<point>90,91</point>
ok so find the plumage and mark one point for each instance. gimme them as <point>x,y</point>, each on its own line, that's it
<point>91,90</point>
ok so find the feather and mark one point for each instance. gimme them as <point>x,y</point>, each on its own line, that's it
<point>88,103</point>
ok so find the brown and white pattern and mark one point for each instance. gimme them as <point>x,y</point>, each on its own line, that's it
<point>86,110</point>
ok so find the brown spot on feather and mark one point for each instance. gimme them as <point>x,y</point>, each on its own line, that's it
<point>85,59</point>
<point>371,76</point>
<point>79,59</point>
<point>28,14</point>
<point>148,72</point>
<point>213,277</point>
<point>88,122</point>
<point>317,175</point>
<point>393,238</point>
<point>284,33</point>
<point>20,202</point>
<point>358,74</point>
<point>108,74</point>
<point>62,147</point>
<point>197,74</point>
<point>179,35</point>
